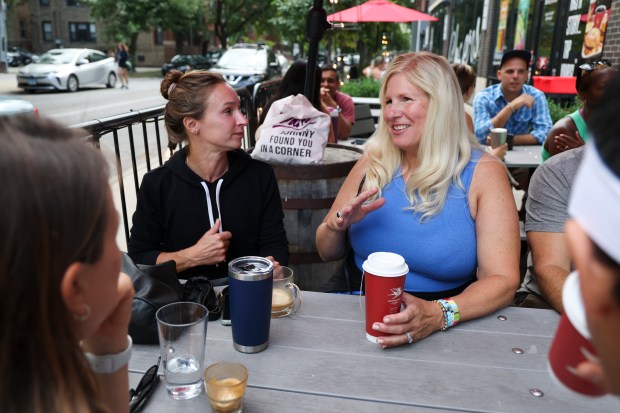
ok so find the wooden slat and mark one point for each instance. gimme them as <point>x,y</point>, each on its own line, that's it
<point>259,400</point>
<point>322,351</point>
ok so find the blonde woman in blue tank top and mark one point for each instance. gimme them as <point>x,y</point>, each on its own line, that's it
<point>431,195</point>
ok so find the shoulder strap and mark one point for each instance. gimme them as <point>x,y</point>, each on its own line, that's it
<point>581,124</point>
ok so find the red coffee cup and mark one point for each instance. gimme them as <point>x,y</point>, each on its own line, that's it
<point>571,344</point>
<point>384,275</point>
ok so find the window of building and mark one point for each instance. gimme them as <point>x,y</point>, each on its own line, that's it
<point>82,32</point>
<point>158,36</point>
<point>22,29</point>
<point>46,28</point>
<point>44,2</point>
<point>73,3</point>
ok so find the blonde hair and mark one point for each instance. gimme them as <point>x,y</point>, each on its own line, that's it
<point>445,147</point>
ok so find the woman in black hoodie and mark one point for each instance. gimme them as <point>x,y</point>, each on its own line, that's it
<point>211,202</point>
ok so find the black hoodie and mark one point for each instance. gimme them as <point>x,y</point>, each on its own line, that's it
<point>173,213</point>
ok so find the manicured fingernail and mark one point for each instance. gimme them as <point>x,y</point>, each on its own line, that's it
<point>379,341</point>
<point>386,320</point>
<point>375,326</point>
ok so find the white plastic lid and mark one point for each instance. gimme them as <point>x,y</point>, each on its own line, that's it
<point>499,130</point>
<point>385,264</point>
<point>573,304</point>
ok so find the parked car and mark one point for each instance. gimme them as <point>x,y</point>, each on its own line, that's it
<point>12,106</point>
<point>19,57</point>
<point>248,64</point>
<point>184,62</point>
<point>68,69</point>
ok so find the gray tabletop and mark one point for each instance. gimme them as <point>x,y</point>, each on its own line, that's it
<point>319,360</point>
<point>524,156</point>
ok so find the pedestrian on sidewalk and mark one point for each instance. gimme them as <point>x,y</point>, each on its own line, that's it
<point>122,56</point>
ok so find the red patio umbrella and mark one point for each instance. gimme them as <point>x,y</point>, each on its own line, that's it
<point>379,11</point>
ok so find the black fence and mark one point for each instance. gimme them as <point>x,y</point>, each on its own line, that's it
<point>138,142</point>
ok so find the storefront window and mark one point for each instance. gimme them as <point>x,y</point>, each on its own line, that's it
<point>457,33</point>
<point>547,32</point>
<point>514,27</point>
<point>464,36</point>
<point>438,30</point>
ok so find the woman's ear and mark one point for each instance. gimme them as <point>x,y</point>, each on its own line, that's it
<point>189,123</point>
<point>72,289</point>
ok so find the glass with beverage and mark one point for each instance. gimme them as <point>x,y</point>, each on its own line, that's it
<point>226,383</point>
<point>286,298</point>
<point>182,338</point>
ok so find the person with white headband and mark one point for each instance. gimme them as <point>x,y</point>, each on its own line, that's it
<point>593,235</point>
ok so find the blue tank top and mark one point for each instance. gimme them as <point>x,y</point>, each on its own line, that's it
<point>440,253</point>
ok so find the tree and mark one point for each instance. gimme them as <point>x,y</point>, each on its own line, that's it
<point>236,17</point>
<point>289,19</point>
<point>180,17</point>
<point>124,20</point>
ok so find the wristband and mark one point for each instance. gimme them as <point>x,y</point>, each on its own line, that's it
<point>110,363</point>
<point>451,314</point>
<point>511,108</point>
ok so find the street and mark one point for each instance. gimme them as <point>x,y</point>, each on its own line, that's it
<point>97,103</point>
<point>88,104</point>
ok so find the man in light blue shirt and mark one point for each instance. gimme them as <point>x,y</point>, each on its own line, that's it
<point>511,104</point>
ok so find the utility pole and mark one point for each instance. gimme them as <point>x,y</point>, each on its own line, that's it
<point>4,63</point>
<point>316,24</point>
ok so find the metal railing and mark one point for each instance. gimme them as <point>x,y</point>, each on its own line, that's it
<point>145,134</point>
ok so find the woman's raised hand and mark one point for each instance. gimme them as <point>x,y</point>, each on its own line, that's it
<point>565,142</point>
<point>211,248</point>
<point>111,336</point>
<point>357,208</point>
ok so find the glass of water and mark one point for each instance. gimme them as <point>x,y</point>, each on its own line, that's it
<point>182,337</point>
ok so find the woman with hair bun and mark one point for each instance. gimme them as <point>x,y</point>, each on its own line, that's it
<point>429,194</point>
<point>210,202</point>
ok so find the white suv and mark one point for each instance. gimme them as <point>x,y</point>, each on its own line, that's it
<point>248,64</point>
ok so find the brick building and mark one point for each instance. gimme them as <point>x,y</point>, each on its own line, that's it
<point>41,25</point>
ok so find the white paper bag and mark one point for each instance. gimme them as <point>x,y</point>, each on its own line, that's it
<point>294,132</point>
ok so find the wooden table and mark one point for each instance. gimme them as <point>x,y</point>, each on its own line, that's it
<point>521,156</point>
<point>524,156</point>
<point>320,361</point>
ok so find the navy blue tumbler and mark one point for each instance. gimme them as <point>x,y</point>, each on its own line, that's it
<point>250,281</point>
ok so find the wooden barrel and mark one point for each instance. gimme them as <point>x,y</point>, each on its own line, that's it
<point>307,193</point>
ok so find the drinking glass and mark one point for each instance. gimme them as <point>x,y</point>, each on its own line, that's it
<point>182,338</point>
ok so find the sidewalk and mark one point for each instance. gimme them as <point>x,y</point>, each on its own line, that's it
<point>8,81</point>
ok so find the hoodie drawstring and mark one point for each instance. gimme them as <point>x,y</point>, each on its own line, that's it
<point>217,201</point>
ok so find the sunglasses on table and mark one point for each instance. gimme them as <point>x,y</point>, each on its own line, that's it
<point>144,389</point>
<point>594,65</point>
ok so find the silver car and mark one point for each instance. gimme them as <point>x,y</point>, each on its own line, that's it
<point>68,69</point>
<point>12,106</point>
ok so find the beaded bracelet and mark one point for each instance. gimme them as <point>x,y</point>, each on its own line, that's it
<point>451,314</point>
